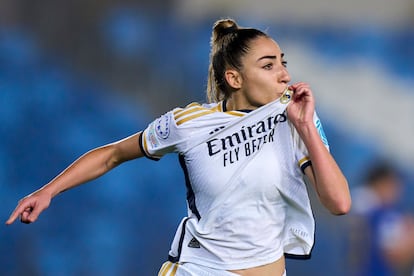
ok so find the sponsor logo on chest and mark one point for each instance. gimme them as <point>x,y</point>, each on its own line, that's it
<point>247,140</point>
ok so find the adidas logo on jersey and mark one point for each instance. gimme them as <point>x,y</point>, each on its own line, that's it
<point>194,243</point>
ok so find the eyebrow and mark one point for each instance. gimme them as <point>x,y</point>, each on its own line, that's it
<point>271,57</point>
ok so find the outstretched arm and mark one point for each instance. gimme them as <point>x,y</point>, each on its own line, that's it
<point>324,173</point>
<point>89,166</point>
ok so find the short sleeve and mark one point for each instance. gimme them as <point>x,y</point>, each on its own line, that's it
<point>160,137</point>
<point>301,152</point>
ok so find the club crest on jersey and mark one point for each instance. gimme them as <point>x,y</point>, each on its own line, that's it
<point>286,96</point>
<point>162,127</point>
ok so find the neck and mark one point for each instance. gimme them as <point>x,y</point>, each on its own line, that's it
<point>234,104</point>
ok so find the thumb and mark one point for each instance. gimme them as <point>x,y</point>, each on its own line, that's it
<point>34,214</point>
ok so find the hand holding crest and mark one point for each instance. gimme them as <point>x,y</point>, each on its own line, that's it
<point>302,105</point>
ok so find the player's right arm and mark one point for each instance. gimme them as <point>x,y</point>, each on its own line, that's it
<point>89,166</point>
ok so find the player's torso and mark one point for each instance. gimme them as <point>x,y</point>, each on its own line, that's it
<point>242,156</point>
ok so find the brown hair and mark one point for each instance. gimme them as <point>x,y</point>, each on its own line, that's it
<point>229,43</point>
<point>380,171</point>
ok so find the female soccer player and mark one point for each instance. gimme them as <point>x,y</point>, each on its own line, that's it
<point>245,156</point>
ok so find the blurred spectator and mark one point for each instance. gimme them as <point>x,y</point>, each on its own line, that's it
<point>381,236</point>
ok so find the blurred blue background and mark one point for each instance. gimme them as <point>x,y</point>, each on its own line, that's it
<point>78,74</point>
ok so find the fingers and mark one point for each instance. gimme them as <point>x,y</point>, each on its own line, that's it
<point>32,214</point>
<point>30,207</point>
<point>26,211</point>
<point>297,85</point>
<point>11,219</point>
<point>301,89</point>
<point>17,211</point>
<point>25,217</point>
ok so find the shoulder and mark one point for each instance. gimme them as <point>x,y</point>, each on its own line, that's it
<point>194,111</point>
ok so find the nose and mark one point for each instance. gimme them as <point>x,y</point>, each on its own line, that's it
<point>285,76</point>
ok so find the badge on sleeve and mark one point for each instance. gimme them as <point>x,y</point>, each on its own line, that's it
<point>162,126</point>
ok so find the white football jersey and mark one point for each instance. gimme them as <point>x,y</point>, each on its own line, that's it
<point>247,199</point>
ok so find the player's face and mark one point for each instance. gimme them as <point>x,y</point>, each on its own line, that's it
<point>264,74</point>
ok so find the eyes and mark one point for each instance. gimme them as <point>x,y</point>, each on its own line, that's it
<point>270,65</point>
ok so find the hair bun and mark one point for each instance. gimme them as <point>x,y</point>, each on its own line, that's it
<point>223,27</point>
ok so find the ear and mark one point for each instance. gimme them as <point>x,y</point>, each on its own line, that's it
<point>233,78</point>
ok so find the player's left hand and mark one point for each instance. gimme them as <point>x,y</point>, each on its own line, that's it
<point>302,106</point>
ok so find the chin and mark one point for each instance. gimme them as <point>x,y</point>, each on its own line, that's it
<point>269,101</point>
<point>277,97</point>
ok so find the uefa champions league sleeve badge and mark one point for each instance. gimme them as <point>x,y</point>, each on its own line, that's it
<point>162,126</point>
